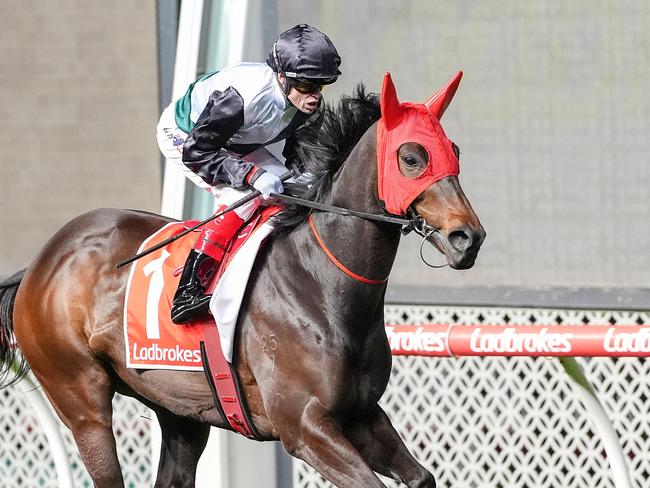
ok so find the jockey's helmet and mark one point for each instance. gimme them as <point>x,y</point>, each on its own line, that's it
<point>303,53</point>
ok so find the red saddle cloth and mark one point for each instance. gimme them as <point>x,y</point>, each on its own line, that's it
<point>154,342</point>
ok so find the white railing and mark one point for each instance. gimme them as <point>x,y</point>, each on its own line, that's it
<point>36,449</point>
<point>511,422</point>
<point>518,422</point>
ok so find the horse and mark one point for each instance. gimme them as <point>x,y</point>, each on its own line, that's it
<point>311,348</point>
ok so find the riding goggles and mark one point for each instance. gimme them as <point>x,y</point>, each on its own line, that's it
<point>306,87</point>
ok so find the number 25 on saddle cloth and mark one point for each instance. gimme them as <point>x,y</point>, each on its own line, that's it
<point>154,342</point>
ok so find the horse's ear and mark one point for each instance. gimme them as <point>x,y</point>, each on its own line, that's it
<point>439,101</point>
<point>390,107</point>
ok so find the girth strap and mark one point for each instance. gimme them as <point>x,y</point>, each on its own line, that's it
<point>224,383</point>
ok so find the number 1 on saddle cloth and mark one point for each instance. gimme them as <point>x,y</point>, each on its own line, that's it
<point>190,301</point>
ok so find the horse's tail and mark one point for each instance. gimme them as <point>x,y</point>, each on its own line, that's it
<point>13,366</point>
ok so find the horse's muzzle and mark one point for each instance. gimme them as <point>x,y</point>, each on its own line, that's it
<point>460,246</point>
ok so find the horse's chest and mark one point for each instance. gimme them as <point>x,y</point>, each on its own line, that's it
<point>370,386</point>
<point>364,377</point>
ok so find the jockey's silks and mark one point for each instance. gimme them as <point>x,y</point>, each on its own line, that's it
<point>412,122</point>
<point>227,115</point>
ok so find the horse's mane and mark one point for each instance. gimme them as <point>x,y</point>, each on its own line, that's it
<point>323,148</point>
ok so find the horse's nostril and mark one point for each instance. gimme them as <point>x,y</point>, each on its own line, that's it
<point>460,239</point>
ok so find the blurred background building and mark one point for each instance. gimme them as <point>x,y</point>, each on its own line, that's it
<point>552,118</point>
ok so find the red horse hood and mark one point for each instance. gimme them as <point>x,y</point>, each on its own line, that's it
<point>411,122</point>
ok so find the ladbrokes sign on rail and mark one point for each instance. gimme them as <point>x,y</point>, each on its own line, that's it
<point>518,340</point>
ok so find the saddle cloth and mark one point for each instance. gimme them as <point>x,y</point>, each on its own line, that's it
<point>152,340</point>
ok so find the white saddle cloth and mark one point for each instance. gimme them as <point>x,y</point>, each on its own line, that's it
<point>227,297</point>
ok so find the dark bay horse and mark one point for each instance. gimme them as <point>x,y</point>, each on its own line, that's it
<point>311,347</point>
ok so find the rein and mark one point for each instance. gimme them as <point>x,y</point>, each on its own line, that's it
<point>416,224</point>
<point>344,211</point>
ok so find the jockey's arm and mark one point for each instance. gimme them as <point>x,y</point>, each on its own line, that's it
<point>203,150</point>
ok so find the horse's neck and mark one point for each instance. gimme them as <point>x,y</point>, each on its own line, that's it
<point>366,247</point>
<point>355,186</point>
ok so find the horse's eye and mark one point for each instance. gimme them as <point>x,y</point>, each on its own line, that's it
<point>413,159</point>
<point>410,161</point>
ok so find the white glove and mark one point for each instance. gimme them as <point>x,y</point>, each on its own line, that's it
<point>268,183</point>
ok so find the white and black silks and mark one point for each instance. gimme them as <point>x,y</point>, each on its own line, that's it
<point>231,113</point>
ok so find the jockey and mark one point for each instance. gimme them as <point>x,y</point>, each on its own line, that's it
<point>217,132</point>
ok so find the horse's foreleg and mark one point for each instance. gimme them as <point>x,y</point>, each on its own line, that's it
<point>183,441</point>
<point>383,449</point>
<point>319,441</point>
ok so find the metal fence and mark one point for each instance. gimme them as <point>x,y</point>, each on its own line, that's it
<point>475,422</point>
<point>514,422</point>
<point>27,457</point>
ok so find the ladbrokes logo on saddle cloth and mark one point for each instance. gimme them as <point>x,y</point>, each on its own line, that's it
<point>152,340</point>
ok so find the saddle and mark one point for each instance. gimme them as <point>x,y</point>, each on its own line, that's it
<point>154,342</point>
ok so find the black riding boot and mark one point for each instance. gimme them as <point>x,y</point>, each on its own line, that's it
<point>190,303</point>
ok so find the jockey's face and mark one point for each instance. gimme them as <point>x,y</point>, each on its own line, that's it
<point>305,102</point>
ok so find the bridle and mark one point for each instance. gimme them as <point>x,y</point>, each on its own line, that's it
<point>415,223</point>
<point>420,226</point>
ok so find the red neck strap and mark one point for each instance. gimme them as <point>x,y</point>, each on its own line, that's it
<point>338,264</point>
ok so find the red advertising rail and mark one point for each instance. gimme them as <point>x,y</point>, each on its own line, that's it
<point>519,340</point>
